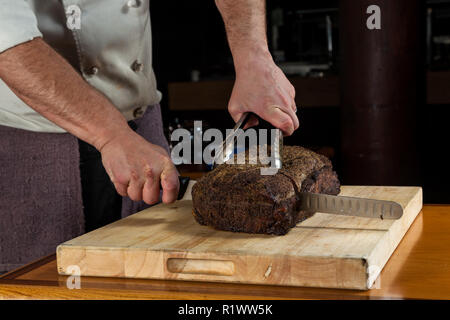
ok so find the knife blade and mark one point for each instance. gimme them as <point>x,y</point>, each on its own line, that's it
<point>349,206</point>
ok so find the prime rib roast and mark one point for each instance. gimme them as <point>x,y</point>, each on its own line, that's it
<point>238,198</point>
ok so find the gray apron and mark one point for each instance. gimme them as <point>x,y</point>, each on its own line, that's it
<point>40,189</point>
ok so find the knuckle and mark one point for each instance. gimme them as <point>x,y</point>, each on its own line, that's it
<point>149,172</point>
<point>120,189</point>
<point>292,91</point>
<point>285,124</point>
<point>170,180</point>
<point>134,175</point>
<point>121,177</point>
<point>166,160</point>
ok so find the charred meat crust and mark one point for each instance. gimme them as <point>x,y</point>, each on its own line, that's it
<point>238,198</point>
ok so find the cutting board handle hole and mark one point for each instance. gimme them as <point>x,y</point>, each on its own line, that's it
<point>201,266</point>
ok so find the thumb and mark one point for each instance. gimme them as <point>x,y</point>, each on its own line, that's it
<point>170,184</point>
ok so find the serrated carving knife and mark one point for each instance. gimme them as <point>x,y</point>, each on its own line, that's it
<point>349,206</point>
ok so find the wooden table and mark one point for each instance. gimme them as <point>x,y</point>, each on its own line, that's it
<point>418,269</point>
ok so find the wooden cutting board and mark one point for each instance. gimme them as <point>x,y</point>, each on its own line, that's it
<point>165,242</point>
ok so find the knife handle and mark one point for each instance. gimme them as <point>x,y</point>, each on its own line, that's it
<point>184,182</point>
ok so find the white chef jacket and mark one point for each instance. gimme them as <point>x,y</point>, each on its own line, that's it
<point>109,44</point>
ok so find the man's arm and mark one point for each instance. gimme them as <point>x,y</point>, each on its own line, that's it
<point>49,85</point>
<point>260,87</point>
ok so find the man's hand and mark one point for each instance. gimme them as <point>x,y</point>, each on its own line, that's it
<point>49,85</point>
<point>138,168</point>
<point>260,87</point>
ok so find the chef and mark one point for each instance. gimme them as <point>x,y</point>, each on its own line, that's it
<point>81,138</point>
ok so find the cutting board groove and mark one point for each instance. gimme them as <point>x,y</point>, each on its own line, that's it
<point>165,242</point>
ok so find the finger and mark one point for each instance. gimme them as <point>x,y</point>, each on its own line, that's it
<point>294,105</point>
<point>170,184</point>
<point>278,118</point>
<point>151,190</point>
<point>120,183</point>
<point>134,189</point>
<point>295,112</point>
<point>290,92</point>
<point>288,104</point>
<point>291,112</point>
<point>121,188</point>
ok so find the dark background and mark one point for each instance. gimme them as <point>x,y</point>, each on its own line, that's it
<point>193,65</point>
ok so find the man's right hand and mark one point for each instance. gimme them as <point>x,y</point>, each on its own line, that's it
<point>50,85</point>
<point>138,168</point>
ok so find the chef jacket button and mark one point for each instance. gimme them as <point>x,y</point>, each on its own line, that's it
<point>137,66</point>
<point>92,71</point>
<point>138,112</point>
<point>134,3</point>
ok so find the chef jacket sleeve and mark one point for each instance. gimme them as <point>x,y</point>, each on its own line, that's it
<point>18,23</point>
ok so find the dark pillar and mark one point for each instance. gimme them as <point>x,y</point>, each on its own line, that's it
<point>382,85</point>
